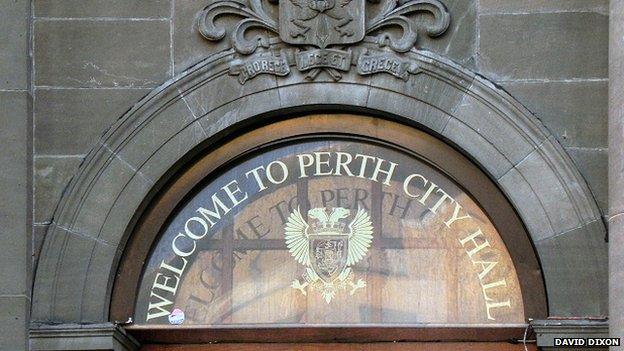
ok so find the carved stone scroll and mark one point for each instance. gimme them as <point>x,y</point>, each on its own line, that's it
<point>320,31</point>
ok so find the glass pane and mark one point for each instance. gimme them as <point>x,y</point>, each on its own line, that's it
<point>340,232</point>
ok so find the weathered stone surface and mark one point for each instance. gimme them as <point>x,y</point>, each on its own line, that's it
<point>96,8</point>
<point>99,336</point>
<point>440,93</point>
<point>616,164</point>
<point>494,127</point>
<point>616,122</point>
<point>459,43</point>
<point>205,99</point>
<point>593,165</point>
<point>42,297</point>
<point>102,53</point>
<point>38,235</point>
<point>533,6</point>
<point>15,264</point>
<point>234,112</point>
<point>547,330</point>
<point>69,303</point>
<point>14,63</point>
<point>90,220</point>
<point>15,224</point>
<point>123,210</point>
<point>474,144</point>
<point>544,46</point>
<point>552,193</point>
<point>163,159</point>
<point>162,127</point>
<point>576,259</point>
<point>323,93</point>
<point>13,318</point>
<point>616,276</point>
<point>528,205</point>
<point>576,112</point>
<point>52,174</point>
<point>97,284</point>
<point>428,116</point>
<point>189,47</point>
<point>66,125</point>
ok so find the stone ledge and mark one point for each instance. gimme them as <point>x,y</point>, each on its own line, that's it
<point>548,329</point>
<point>105,336</point>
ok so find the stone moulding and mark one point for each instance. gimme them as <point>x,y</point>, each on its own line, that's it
<point>105,336</point>
<point>205,104</point>
<point>547,330</point>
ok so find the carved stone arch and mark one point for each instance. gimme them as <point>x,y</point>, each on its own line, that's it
<point>204,104</point>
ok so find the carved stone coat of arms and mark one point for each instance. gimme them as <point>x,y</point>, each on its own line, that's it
<point>324,35</point>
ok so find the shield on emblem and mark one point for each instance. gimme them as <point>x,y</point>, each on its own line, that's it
<point>321,23</point>
<point>328,255</point>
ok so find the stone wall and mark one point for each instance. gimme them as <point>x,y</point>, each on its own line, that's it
<point>15,174</point>
<point>92,60</point>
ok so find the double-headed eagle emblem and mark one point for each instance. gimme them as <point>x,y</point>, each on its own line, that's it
<point>328,248</point>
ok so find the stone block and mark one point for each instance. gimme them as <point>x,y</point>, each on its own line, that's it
<point>39,233</point>
<point>427,116</point>
<point>105,189</point>
<point>14,63</point>
<point>558,204</point>
<point>459,43</point>
<point>442,94</point>
<point>189,47</point>
<point>47,268</point>
<point>544,46</point>
<point>473,144</point>
<point>124,209</point>
<point>71,271</point>
<point>323,93</point>
<point>52,174</point>
<point>537,6</point>
<point>593,165</point>
<point>87,53</point>
<point>97,281</point>
<point>97,205</point>
<point>14,321</point>
<point>575,269</point>
<point>15,190</point>
<point>575,112</point>
<point>70,121</point>
<point>527,204</point>
<point>205,98</point>
<point>96,8</point>
<point>616,272</point>
<point>165,157</point>
<point>494,127</point>
<point>15,263</point>
<point>237,111</point>
<point>151,135</point>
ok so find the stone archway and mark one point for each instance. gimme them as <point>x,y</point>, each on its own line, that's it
<point>204,104</point>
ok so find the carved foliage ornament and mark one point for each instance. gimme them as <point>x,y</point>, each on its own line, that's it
<point>318,35</point>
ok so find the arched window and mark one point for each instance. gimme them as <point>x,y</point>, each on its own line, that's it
<point>323,222</point>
